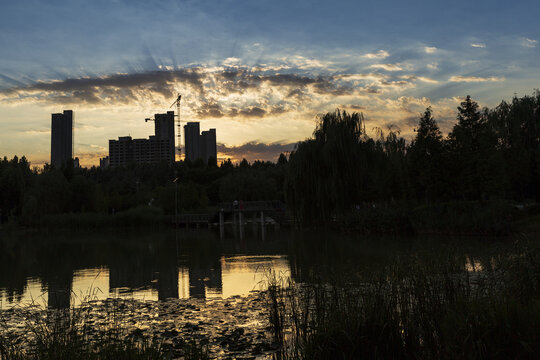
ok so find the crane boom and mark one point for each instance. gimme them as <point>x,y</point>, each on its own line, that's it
<point>178,126</point>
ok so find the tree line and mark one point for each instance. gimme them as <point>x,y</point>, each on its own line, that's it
<point>489,154</point>
<point>28,193</point>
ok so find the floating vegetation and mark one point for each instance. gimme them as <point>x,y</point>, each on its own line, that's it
<point>128,329</point>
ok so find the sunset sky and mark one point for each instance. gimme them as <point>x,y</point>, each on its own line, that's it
<point>257,71</point>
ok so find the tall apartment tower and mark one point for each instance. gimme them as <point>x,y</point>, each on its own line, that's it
<point>61,138</point>
<point>199,146</point>
<point>207,143</point>
<point>164,130</point>
<point>191,138</point>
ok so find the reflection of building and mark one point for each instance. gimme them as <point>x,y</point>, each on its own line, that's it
<point>61,138</point>
<point>157,148</point>
<point>167,284</point>
<point>130,277</point>
<point>202,276</point>
<point>59,290</point>
<point>199,146</point>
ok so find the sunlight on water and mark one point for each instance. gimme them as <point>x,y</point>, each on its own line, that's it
<point>229,276</point>
<point>242,274</point>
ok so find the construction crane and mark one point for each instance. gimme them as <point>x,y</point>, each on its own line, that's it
<point>178,127</point>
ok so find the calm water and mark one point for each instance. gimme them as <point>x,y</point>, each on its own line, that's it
<point>62,269</point>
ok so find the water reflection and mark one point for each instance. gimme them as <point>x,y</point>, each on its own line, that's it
<point>61,269</point>
<point>64,269</point>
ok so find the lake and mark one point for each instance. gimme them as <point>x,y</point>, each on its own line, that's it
<point>61,269</point>
<point>195,284</point>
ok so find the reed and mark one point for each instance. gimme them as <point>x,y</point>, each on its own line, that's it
<point>438,308</point>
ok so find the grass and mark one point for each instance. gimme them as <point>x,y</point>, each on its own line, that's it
<point>72,334</point>
<point>441,307</point>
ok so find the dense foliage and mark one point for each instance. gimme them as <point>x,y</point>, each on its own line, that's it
<point>28,194</point>
<point>489,154</point>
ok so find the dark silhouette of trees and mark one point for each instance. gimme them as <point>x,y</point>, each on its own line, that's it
<point>489,154</point>
<point>426,160</point>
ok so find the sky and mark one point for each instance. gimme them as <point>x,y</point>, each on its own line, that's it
<point>258,71</point>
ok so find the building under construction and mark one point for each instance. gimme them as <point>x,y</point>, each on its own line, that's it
<point>157,148</point>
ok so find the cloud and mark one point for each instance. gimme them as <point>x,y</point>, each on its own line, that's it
<point>387,67</point>
<point>301,62</point>
<point>248,112</point>
<point>430,49</point>
<point>255,150</point>
<point>381,54</point>
<point>232,61</point>
<point>530,43</point>
<point>420,78</point>
<point>468,79</point>
<point>478,45</point>
<point>108,89</point>
<point>36,131</point>
<point>353,107</point>
<point>212,110</point>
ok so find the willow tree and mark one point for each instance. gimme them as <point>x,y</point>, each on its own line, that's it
<point>326,172</point>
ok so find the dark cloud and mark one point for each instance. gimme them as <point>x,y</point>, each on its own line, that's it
<point>207,89</point>
<point>210,110</point>
<point>354,107</point>
<point>248,112</point>
<point>289,79</point>
<point>214,110</point>
<point>113,88</point>
<point>324,87</point>
<point>254,150</point>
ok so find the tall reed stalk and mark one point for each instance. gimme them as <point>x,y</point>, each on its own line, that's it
<point>435,308</point>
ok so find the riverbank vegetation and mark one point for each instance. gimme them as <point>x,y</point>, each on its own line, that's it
<point>442,306</point>
<point>471,181</point>
<point>74,334</point>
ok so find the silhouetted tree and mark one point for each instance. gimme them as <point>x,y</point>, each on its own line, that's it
<point>474,164</point>
<point>324,177</point>
<point>426,160</point>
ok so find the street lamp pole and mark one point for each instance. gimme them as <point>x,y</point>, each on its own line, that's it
<point>176,202</point>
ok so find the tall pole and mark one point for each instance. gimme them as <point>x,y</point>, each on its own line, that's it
<point>176,203</point>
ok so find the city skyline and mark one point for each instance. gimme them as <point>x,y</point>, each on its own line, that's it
<point>258,73</point>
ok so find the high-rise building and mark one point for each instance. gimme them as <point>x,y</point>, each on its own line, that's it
<point>157,148</point>
<point>61,138</point>
<point>199,146</point>
<point>207,143</point>
<point>164,129</point>
<point>191,138</point>
<point>104,162</point>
